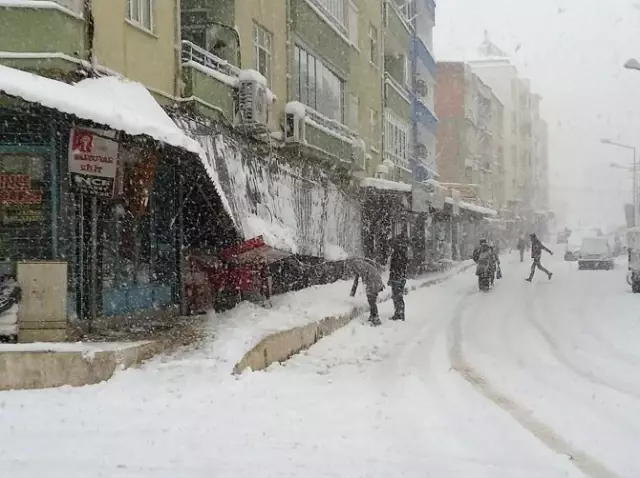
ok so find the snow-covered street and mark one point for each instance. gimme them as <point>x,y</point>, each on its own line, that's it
<point>529,380</point>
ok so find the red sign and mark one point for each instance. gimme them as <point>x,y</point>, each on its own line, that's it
<point>16,189</point>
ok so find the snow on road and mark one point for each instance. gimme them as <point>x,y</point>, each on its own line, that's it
<point>472,385</point>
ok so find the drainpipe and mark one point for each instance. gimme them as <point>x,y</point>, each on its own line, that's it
<point>89,32</point>
<point>177,80</point>
<point>383,96</point>
<point>289,52</point>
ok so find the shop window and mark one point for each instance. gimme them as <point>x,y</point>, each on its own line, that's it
<point>24,229</point>
<point>138,258</point>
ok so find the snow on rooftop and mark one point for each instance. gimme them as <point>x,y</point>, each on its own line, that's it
<point>274,235</point>
<point>111,101</point>
<point>385,184</point>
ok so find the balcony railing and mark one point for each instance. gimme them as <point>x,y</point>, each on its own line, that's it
<point>330,124</point>
<point>399,161</point>
<point>335,11</point>
<point>194,53</point>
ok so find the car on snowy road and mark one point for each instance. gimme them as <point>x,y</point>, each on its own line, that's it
<point>595,253</point>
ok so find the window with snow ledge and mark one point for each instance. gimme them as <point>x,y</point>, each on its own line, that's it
<point>141,13</point>
<point>317,86</point>
<point>396,140</point>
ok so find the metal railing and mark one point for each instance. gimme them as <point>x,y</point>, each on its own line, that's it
<point>332,16</point>
<point>329,123</point>
<point>192,52</point>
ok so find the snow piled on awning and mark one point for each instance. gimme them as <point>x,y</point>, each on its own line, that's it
<point>485,211</point>
<point>385,185</point>
<point>111,101</point>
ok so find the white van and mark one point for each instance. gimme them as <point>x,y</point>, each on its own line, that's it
<point>595,253</point>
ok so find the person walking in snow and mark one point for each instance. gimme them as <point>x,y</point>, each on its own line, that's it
<point>398,274</point>
<point>486,259</point>
<point>536,254</point>
<point>369,271</point>
<point>522,245</point>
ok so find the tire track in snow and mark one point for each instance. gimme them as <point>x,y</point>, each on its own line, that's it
<point>544,433</point>
<point>567,362</point>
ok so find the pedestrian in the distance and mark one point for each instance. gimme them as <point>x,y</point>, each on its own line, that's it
<point>536,254</point>
<point>398,274</point>
<point>369,271</point>
<point>522,245</point>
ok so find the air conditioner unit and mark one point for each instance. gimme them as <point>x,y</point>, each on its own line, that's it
<point>294,128</point>
<point>358,154</point>
<point>421,151</point>
<point>253,105</point>
<point>422,87</point>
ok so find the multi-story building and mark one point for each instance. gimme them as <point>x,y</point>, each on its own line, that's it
<point>424,84</point>
<point>132,38</point>
<point>525,136</point>
<point>469,137</point>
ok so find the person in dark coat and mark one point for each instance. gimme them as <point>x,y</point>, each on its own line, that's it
<point>484,255</point>
<point>536,254</point>
<point>398,275</point>
<point>370,274</point>
<point>522,245</point>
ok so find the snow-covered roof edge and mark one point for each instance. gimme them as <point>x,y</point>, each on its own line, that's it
<point>106,109</point>
<point>385,185</point>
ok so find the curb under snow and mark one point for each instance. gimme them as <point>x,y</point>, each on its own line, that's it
<point>282,345</point>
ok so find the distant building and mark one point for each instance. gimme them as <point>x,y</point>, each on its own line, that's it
<point>469,148</point>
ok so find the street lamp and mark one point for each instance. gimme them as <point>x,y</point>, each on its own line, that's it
<point>635,169</point>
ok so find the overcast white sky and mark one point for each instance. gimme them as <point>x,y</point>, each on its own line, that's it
<point>573,52</point>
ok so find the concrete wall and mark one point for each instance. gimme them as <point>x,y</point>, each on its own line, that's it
<point>45,369</point>
<point>141,55</point>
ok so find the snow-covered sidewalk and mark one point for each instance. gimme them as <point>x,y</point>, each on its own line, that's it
<point>232,334</point>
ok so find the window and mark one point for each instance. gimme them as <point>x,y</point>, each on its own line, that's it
<point>373,45</point>
<point>354,116</point>
<point>262,41</point>
<point>373,127</point>
<point>407,71</point>
<point>141,12</point>
<point>353,24</point>
<point>396,136</point>
<point>317,86</point>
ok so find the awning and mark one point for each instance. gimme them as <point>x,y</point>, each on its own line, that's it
<point>385,185</point>
<point>111,101</point>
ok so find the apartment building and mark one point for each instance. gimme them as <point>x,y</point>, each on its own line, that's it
<point>132,38</point>
<point>424,120</point>
<point>469,134</point>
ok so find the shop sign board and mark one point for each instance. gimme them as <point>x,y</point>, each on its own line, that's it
<point>93,162</point>
<point>20,202</point>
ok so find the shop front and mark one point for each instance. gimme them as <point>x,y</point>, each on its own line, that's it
<point>96,199</point>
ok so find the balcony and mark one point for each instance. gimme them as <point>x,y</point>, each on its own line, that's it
<point>424,55</point>
<point>397,98</point>
<point>397,30</point>
<point>42,35</point>
<point>210,81</point>
<point>323,138</point>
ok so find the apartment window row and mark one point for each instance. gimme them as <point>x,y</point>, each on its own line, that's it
<point>262,48</point>
<point>396,138</point>
<point>141,12</point>
<point>317,86</point>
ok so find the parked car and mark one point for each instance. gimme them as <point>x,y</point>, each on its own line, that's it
<point>596,253</point>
